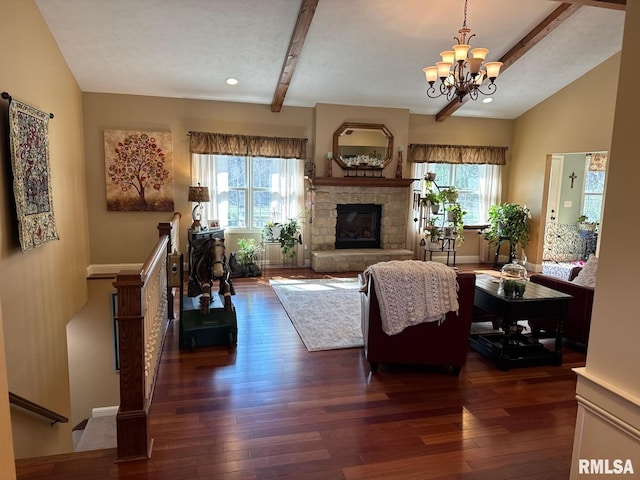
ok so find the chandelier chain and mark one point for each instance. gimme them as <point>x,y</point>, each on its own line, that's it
<point>464,23</point>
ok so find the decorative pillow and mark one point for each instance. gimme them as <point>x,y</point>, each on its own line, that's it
<point>587,276</point>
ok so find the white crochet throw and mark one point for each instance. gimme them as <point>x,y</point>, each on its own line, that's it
<point>411,292</point>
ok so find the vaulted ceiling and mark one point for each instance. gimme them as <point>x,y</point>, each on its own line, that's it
<point>354,52</point>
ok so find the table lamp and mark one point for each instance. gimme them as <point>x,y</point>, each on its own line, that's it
<point>197,194</point>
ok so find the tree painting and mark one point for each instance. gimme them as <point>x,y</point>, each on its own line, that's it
<point>139,171</point>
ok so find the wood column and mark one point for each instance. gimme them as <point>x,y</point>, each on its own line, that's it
<point>132,418</point>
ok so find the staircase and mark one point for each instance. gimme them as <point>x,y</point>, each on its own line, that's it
<point>99,431</point>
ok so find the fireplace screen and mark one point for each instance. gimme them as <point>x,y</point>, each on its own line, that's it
<point>358,226</point>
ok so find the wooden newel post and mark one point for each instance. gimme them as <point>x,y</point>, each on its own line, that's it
<point>132,419</point>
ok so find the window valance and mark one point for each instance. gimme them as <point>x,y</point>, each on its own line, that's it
<point>231,144</point>
<point>473,154</point>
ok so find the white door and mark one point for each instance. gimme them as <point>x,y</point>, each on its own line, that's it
<point>553,204</point>
<point>555,175</point>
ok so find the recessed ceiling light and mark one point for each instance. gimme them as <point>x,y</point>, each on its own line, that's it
<point>487,100</point>
<point>232,81</point>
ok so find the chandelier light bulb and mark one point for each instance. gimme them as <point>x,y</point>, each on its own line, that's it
<point>443,69</point>
<point>493,69</point>
<point>431,74</point>
<point>448,56</point>
<point>479,53</point>
<point>474,65</point>
<point>461,51</point>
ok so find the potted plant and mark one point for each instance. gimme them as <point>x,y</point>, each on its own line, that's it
<point>433,232</point>
<point>271,231</point>
<point>585,225</point>
<point>509,221</point>
<point>430,176</point>
<point>289,237</point>
<point>247,258</point>
<point>449,195</point>
<point>433,199</point>
<point>248,252</point>
<point>455,215</point>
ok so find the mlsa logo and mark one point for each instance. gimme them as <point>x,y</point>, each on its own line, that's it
<point>604,466</point>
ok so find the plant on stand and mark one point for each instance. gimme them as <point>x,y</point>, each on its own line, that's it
<point>449,195</point>
<point>289,238</point>
<point>432,199</point>
<point>455,215</point>
<point>509,221</point>
<point>433,232</point>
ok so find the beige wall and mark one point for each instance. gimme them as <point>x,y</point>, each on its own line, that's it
<point>35,309</point>
<point>128,237</point>
<point>93,379</point>
<point>328,118</point>
<point>8,471</point>
<point>579,118</point>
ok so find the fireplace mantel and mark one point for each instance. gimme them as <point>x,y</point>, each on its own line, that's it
<point>361,181</point>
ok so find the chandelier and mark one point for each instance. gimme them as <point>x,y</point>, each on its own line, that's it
<point>459,73</point>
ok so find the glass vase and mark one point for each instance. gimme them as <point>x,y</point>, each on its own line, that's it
<point>513,280</point>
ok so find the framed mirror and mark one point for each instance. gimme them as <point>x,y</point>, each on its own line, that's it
<point>362,143</point>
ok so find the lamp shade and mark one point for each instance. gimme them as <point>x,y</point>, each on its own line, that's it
<point>198,193</point>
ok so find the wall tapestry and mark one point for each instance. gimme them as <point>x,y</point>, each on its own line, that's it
<point>139,168</point>
<point>29,143</point>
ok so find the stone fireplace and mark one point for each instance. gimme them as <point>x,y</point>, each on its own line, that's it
<point>393,196</point>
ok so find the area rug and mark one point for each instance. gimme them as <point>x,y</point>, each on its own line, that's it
<point>325,312</point>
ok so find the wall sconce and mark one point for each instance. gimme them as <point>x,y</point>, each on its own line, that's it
<point>197,194</point>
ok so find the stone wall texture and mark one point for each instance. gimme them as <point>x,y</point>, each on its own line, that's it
<point>395,212</point>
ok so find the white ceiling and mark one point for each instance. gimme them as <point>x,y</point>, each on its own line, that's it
<point>357,52</point>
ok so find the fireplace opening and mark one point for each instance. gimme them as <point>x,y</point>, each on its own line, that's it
<point>358,225</point>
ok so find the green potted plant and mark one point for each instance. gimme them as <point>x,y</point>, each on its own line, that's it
<point>433,233</point>
<point>248,251</point>
<point>432,199</point>
<point>271,231</point>
<point>585,225</point>
<point>289,237</point>
<point>455,215</point>
<point>449,195</point>
<point>429,177</point>
<point>509,221</point>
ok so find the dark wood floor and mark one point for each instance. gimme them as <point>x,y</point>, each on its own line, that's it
<point>271,410</point>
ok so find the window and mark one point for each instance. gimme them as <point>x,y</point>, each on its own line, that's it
<point>246,192</point>
<point>478,186</point>
<point>593,194</point>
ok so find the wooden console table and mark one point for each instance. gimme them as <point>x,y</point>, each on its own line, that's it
<point>511,348</point>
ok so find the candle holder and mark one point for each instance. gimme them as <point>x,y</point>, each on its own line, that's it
<point>399,165</point>
<point>329,164</point>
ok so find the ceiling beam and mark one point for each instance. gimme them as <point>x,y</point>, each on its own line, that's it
<point>612,4</point>
<point>531,39</point>
<point>305,15</point>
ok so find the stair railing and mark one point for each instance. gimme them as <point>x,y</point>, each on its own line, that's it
<point>22,402</point>
<point>143,318</point>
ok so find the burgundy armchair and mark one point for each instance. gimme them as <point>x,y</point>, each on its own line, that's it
<point>446,344</point>
<point>578,321</point>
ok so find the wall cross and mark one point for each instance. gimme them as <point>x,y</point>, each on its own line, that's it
<point>573,176</point>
